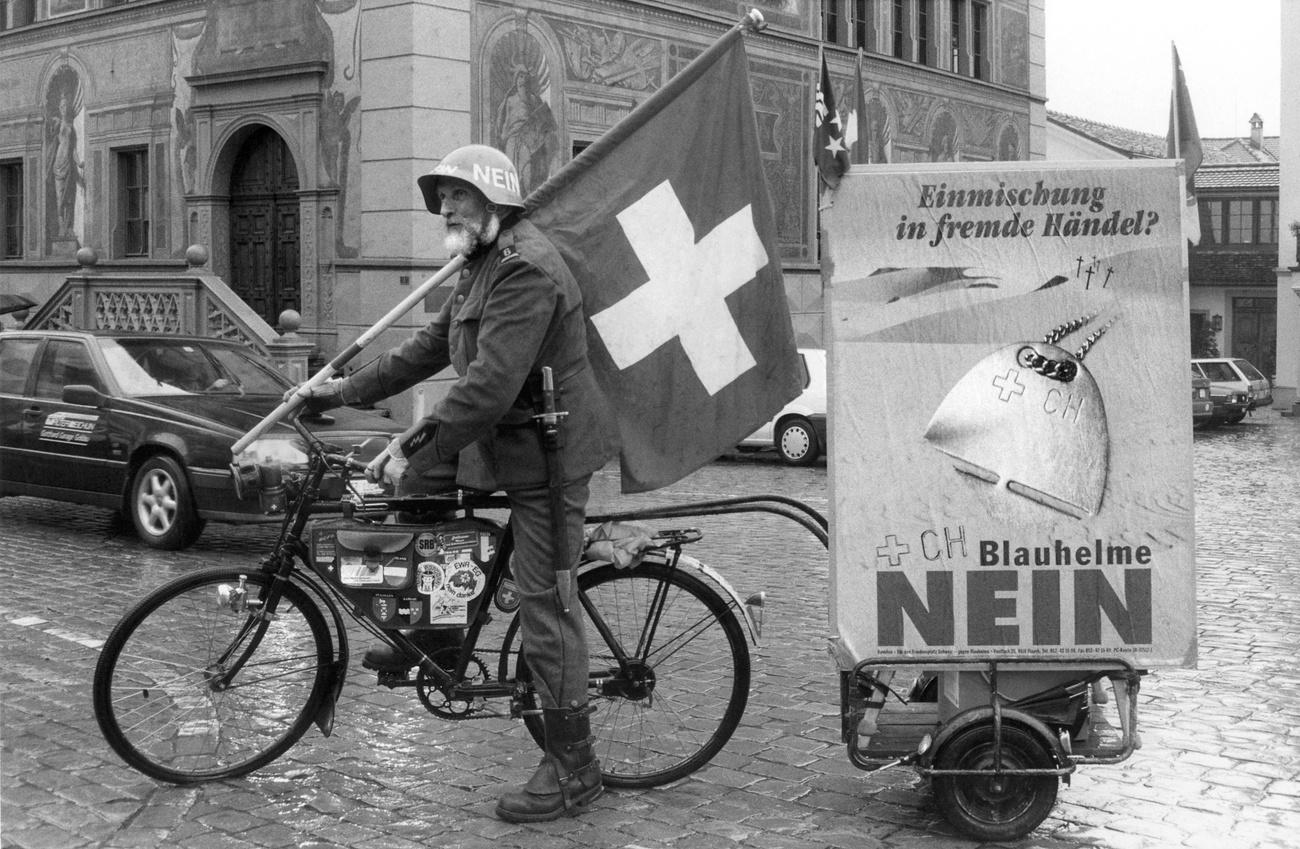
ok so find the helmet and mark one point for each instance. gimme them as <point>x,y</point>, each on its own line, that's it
<point>485,168</point>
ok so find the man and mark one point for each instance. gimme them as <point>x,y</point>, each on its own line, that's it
<point>515,309</point>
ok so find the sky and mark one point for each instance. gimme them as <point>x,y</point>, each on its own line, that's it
<point>1110,61</point>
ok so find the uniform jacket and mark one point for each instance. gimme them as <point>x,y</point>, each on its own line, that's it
<point>514,309</point>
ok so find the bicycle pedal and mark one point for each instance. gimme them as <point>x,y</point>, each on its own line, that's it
<point>389,678</point>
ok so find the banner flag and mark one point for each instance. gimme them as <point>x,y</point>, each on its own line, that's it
<point>1009,346</point>
<point>667,224</point>
<point>829,151</point>
<point>857,131</point>
<point>1184,142</point>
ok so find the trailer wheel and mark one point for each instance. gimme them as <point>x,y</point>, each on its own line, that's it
<point>995,807</point>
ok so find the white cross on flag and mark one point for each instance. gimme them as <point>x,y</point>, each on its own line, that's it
<point>667,225</point>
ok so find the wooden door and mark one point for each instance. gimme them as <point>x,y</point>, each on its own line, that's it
<point>1254,332</point>
<point>264,226</point>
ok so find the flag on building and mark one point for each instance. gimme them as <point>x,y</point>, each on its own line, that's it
<point>667,224</point>
<point>1184,142</point>
<point>829,151</point>
<point>857,129</point>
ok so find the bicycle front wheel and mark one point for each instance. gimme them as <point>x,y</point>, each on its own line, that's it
<point>191,686</point>
<point>669,672</point>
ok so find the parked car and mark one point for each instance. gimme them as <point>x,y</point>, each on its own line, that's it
<point>1231,378</point>
<point>798,431</point>
<point>1202,406</point>
<point>144,423</point>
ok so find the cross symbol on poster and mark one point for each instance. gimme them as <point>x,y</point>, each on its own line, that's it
<point>684,295</point>
<point>1008,385</point>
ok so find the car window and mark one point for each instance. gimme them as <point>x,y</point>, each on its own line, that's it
<point>1219,371</point>
<point>16,357</point>
<point>146,367</point>
<point>253,376</point>
<point>64,363</point>
<point>1250,371</point>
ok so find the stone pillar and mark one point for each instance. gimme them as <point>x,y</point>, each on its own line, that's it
<point>289,351</point>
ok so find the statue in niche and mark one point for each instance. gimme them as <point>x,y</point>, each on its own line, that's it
<point>524,125</point>
<point>65,168</point>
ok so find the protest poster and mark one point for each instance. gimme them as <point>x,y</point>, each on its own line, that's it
<point>1010,444</point>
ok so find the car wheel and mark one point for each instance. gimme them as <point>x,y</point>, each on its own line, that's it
<point>797,443</point>
<point>1236,419</point>
<point>161,505</point>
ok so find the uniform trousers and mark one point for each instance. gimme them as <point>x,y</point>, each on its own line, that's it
<point>553,642</point>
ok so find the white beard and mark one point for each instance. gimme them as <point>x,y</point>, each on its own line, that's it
<point>465,239</point>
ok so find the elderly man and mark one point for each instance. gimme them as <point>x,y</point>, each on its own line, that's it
<point>515,309</point>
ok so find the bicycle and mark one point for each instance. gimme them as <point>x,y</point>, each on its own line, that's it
<point>216,674</point>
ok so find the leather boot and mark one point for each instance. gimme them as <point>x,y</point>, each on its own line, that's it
<point>389,658</point>
<point>567,779</point>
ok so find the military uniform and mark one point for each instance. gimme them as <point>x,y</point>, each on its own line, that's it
<point>514,309</point>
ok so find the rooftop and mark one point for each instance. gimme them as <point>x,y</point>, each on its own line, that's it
<point>1139,145</point>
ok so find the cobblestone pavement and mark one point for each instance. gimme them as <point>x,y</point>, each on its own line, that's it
<point>1220,766</point>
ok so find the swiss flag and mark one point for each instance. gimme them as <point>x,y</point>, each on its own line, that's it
<point>667,225</point>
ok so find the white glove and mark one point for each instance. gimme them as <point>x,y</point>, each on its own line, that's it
<point>389,466</point>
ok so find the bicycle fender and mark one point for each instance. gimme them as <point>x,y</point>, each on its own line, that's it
<point>685,561</point>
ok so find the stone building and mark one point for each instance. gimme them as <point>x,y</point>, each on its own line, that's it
<point>286,136</point>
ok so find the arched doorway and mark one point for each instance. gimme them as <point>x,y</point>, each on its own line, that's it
<point>264,225</point>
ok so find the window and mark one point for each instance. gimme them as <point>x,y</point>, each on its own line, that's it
<point>1239,221</point>
<point>957,47</point>
<point>16,356</point>
<point>831,21</point>
<point>923,23</point>
<point>899,24</point>
<point>979,36</point>
<point>64,364</point>
<point>1267,222</point>
<point>864,24</point>
<point>133,203</point>
<point>11,210</point>
<point>22,12</point>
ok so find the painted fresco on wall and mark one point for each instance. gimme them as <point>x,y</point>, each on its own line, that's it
<point>521,93</point>
<point>880,131</point>
<point>65,166</point>
<point>944,141</point>
<point>1015,47</point>
<point>611,57</point>
<point>1009,144</point>
<point>792,14</point>
<point>340,118</point>
<point>184,41</point>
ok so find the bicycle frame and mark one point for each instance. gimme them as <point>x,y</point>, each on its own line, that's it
<point>290,545</point>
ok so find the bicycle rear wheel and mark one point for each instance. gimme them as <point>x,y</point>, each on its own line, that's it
<point>187,689</point>
<point>673,703</point>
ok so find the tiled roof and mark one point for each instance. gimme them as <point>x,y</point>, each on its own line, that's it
<point>1264,175</point>
<point>1139,145</point>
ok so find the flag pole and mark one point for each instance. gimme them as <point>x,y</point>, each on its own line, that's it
<point>1173,102</point>
<point>335,365</point>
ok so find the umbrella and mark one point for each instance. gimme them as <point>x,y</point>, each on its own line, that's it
<point>14,303</point>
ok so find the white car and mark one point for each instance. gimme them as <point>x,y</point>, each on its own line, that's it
<point>1233,376</point>
<point>798,431</point>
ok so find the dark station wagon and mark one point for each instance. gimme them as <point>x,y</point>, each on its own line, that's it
<point>144,423</point>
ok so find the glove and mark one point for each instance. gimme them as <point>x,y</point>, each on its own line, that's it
<point>389,466</point>
<point>322,397</point>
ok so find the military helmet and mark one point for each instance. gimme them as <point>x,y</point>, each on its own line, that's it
<point>485,168</point>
